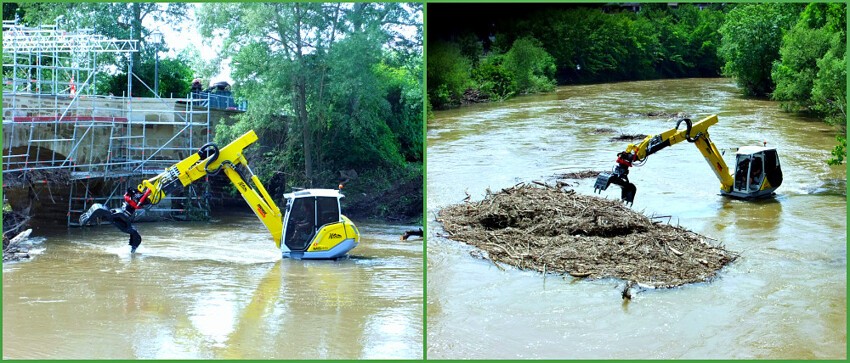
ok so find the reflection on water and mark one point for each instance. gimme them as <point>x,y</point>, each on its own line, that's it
<point>212,291</point>
<point>784,298</point>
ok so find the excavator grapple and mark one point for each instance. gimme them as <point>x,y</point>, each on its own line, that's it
<point>605,179</point>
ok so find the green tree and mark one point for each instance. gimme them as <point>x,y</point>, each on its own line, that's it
<point>113,20</point>
<point>795,72</point>
<point>175,76</point>
<point>810,74</point>
<point>839,152</point>
<point>470,47</point>
<point>819,26</point>
<point>531,66</point>
<point>331,85</point>
<point>493,79</point>
<point>829,89</point>
<point>751,37</point>
<point>449,74</point>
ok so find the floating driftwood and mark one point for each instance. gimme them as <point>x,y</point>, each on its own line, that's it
<point>15,249</point>
<point>584,174</point>
<point>544,228</point>
<point>659,114</point>
<point>628,137</point>
<point>411,233</point>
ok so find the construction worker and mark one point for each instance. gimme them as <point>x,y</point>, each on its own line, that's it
<point>196,85</point>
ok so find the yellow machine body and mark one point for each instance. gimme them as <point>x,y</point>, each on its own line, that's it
<point>331,239</point>
<point>314,228</point>
<point>758,165</point>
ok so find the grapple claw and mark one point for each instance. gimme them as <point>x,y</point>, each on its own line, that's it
<point>602,182</point>
<point>628,194</point>
<point>96,211</point>
<point>628,189</point>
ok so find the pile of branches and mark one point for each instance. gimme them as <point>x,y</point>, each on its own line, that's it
<point>550,230</point>
<point>14,234</point>
<point>38,176</point>
<point>584,174</point>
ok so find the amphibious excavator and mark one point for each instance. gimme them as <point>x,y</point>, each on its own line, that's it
<point>757,170</point>
<point>313,226</point>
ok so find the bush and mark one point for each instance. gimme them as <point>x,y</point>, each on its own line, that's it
<point>494,81</point>
<point>532,67</point>
<point>448,74</point>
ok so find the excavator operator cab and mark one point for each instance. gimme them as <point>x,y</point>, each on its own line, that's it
<point>314,228</point>
<point>757,172</point>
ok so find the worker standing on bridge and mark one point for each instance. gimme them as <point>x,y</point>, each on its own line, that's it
<point>196,86</point>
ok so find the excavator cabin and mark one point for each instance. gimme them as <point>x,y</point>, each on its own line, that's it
<point>314,228</point>
<point>757,172</point>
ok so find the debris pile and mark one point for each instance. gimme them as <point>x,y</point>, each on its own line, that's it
<point>17,248</point>
<point>584,174</point>
<point>14,235</point>
<point>555,231</point>
<point>37,176</point>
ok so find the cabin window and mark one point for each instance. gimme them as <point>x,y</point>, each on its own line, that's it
<point>756,173</point>
<point>328,210</point>
<point>301,224</point>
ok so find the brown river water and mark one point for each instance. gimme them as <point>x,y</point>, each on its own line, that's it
<point>212,290</point>
<point>784,298</point>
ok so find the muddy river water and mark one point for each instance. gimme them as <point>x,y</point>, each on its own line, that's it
<point>212,290</point>
<point>784,298</point>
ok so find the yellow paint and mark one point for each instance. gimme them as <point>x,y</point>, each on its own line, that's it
<point>193,168</point>
<point>703,143</point>
<point>333,234</point>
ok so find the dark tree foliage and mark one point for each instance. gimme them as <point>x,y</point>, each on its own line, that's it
<point>333,87</point>
<point>584,44</point>
<point>175,77</point>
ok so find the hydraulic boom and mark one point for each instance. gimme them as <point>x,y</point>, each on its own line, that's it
<point>757,168</point>
<point>209,160</point>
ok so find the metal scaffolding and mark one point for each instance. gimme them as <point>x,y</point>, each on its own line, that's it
<point>55,123</point>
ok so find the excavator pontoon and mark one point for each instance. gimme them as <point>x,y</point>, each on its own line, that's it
<point>312,228</point>
<point>757,170</point>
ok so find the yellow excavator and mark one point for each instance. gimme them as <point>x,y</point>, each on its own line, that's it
<point>757,170</point>
<point>313,226</point>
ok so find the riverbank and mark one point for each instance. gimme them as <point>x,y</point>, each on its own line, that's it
<point>401,202</point>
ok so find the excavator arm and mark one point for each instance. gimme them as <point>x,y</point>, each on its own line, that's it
<point>636,155</point>
<point>209,160</point>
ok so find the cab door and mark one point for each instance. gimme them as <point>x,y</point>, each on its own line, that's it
<point>749,172</point>
<point>300,223</point>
